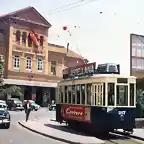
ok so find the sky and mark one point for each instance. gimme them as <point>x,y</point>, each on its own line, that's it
<point>102,37</point>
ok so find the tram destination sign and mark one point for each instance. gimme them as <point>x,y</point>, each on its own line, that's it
<point>82,70</point>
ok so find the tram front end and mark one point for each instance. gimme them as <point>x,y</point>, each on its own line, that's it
<point>118,109</point>
<point>120,118</point>
<point>124,119</point>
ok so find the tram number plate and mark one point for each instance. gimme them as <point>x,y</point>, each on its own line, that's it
<point>121,113</point>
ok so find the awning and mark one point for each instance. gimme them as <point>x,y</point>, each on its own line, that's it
<point>29,83</point>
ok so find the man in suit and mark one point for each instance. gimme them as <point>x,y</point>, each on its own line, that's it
<point>27,107</point>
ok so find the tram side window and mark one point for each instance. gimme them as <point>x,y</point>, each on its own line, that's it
<point>111,94</point>
<point>83,93</point>
<point>104,94</point>
<point>69,94</point>
<point>65,90</point>
<point>61,94</point>
<point>78,93</point>
<point>73,94</point>
<point>131,94</point>
<point>122,95</point>
<point>89,94</point>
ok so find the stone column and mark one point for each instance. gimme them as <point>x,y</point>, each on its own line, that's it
<point>46,62</point>
<point>22,91</point>
<point>10,47</point>
<point>46,93</point>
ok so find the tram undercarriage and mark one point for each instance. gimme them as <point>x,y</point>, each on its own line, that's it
<point>92,129</point>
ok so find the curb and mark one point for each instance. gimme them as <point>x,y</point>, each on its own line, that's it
<point>131,136</point>
<point>49,136</point>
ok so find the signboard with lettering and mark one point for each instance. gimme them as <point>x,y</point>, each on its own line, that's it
<point>79,113</point>
<point>79,71</point>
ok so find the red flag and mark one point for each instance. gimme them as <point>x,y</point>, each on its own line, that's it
<point>34,38</point>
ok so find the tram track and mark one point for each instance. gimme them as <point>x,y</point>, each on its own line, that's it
<point>114,138</point>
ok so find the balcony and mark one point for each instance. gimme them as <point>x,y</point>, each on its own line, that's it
<point>39,51</point>
<point>23,48</point>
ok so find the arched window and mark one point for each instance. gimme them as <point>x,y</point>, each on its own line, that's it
<point>18,35</point>
<point>24,37</point>
<point>29,41</point>
<point>41,40</point>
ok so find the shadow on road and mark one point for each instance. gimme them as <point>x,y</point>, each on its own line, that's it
<point>109,137</point>
<point>65,129</point>
<point>2,127</point>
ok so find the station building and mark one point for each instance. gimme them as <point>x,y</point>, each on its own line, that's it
<point>31,62</point>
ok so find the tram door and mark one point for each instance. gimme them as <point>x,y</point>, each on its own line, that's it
<point>97,90</point>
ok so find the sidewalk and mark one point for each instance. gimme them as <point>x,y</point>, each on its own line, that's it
<point>59,132</point>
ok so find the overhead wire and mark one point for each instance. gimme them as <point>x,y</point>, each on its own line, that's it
<point>67,5</point>
<point>69,8</point>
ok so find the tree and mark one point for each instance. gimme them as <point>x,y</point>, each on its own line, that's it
<point>12,91</point>
<point>1,71</point>
<point>140,103</point>
<point>4,90</point>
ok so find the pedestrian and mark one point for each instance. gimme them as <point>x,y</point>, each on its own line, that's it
<point>27,107</point>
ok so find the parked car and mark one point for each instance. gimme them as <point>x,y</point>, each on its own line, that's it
<point>4,116</point>
<point>2,101</point>
<point>14,104</point>
<point>34,105</point>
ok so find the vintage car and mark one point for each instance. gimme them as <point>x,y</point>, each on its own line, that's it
<point>2,101</point>
<point>4,116</point>
<point>14,104</point>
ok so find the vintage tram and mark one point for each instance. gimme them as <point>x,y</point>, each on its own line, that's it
<point>99,100</point>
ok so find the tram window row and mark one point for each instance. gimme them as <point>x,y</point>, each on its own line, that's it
<point>102,94</point>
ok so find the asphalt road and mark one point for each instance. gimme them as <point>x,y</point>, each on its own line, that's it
<point>18,135</point>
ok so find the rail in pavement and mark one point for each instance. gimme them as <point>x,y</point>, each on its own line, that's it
<point>137,134</point>
<point>59,132</point>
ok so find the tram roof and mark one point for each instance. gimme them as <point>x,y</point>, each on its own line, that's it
<point>112,75</point>
<point>101,76</point>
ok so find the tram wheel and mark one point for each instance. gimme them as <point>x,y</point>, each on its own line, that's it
<point>73,124</point>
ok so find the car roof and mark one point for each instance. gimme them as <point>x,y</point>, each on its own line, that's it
<point>2,101</point>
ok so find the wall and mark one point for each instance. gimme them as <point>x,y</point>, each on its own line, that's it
<point>23,51</point>
<point>137,55</point>
<point>4,26</point>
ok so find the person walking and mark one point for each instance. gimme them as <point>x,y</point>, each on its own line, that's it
<point>27,107</point>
